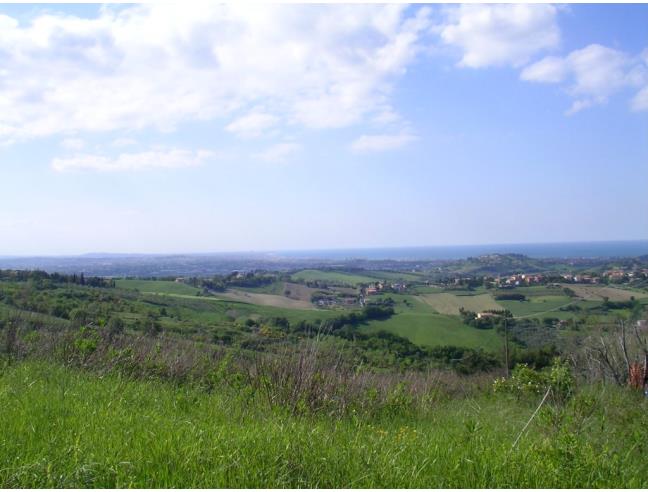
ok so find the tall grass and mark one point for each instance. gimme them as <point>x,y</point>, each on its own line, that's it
<point>93,408</point>
<point>64,427</point>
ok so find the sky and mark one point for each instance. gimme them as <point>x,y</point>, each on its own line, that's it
<point>206,128</point>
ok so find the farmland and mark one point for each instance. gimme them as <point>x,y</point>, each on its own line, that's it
<point>598,293</point>
<point>419,322</point>
<point>427,317</point>
<point>246,369</point>
<point>265,299</point>
<point>448,303</point>
<point>157,286</point>
<point>537,305</point>
<point>342,278</point>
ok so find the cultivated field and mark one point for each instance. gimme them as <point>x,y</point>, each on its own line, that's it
<point>446,303</point>
<point>418,322</point>
<point>333,277</point>
<point>538,305</point>
<point>394,276</point>
<point>265,299</point>
<point>598,292</point>
<point>298,292</point>
<point>157,286</point>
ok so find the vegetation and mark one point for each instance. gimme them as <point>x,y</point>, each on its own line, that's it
<point>113,385</point>
<point>157,286</point>
<point>65,428</point>
<point>332,277</point>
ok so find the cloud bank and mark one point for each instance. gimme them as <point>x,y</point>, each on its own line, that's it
<point>138,161</point>
<point>158,66</point>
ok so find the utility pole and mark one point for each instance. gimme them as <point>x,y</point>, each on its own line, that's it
<point>506,348</point>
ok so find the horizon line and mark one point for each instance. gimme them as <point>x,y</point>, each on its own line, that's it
<point>306,250</point>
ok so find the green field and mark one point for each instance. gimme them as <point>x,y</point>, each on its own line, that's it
<point>333,277</point>
<point>276,288</point>
<point>419,323</point>
<point>394,276</point>
<point>63,428</point>
<point>599,292</point>
<point>538,305</point>
<point>213,309</point>
<point>157,286</point>
<point>427,289</point>
<point>451,303</point>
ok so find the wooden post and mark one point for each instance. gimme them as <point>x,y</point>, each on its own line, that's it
<point>506,348</point>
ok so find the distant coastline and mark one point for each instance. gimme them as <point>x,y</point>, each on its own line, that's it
<point>583,249</point>
<point>565,250</point>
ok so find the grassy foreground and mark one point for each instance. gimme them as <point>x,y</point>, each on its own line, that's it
<point>63,427</point>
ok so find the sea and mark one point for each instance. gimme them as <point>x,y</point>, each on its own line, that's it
<point>592,249</point>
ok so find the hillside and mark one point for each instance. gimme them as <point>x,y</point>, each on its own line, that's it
<point>66,428</point>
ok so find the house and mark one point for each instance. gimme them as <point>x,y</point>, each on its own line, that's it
<point>531,278</point>
<point>589,279</point>
<point>615,274</point>
<point>486,314</point>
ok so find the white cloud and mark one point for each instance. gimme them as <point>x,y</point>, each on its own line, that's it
<point>380,143</point>
<point>640,101</point>
<point>73,143</point>
<point>592,74</point>
<point>152,159</point>
<point>500,35</point>
<point>550,69</point>
<point>160,65</point>
<point>279,153</point>
<point>252,124</point>
<point>124,142</point>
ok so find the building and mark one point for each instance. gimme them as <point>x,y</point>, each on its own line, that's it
<point>486,314</point>
<point>615,274</point>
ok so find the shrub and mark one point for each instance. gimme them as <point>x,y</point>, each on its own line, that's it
<point>525,381</point>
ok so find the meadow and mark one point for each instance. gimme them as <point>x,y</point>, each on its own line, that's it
<point>64,427</point>
<point>104,386</point>
<point>538,305</point>
<point>599,292</point>
<point>342,278</point>
<point>260,299</point>
<point>451,303</point>
<point>428,317</point>
<point>417,321</point>
<point>157,286</point>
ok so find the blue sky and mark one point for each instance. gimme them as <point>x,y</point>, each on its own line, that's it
<point>159,128</point>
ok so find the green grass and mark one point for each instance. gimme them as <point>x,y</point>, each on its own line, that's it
<point>427,289</point>
<point>212,309</point>
<point>333,276</point>
<point>157,286</point>
<point>276,288</point>
<point>395,276</point>
<point>537,306</point>
<point>64,428</point>
<point>420,324</point>
<point>532,290</point>
<point>451,303</point>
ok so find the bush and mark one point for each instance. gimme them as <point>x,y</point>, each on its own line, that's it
<point>525,381</point>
